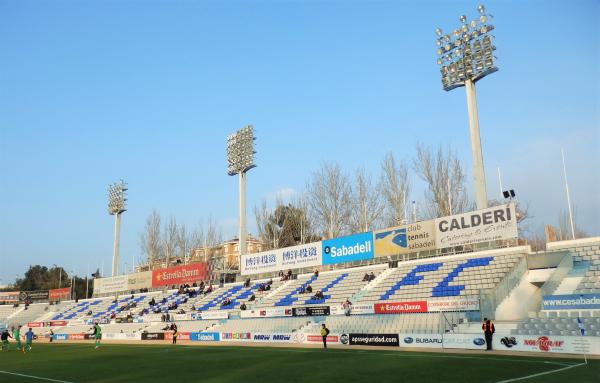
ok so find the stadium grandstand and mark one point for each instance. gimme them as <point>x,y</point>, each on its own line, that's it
<point>535,299</point>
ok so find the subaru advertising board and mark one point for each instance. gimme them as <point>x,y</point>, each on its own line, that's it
<point>355,247</point>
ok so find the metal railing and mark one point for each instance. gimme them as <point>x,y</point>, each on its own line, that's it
<point>490,299</point>
<point>562,270</point>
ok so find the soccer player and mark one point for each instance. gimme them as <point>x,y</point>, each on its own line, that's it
<point>17,337</point>
<point>97,335</point>
<point>28,340</point>
<point>4,338</point>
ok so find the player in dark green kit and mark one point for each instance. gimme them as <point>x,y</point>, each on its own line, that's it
<point>17,337</point>
<point>97,335</point>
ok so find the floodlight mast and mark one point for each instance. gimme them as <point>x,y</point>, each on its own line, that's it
<point>240,159</point>
<point>116,206</point>
<point>465,59</point>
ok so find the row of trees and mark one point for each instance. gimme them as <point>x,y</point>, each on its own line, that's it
<point>39,277</point>
<point>165,241</point>
<point>335,204</point>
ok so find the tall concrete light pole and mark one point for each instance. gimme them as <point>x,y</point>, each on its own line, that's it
<point>240,159</point>
<point>116,206</point>
<point>466,56</point>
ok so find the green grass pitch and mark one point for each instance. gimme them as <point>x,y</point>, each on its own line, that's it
<point>79,363</point>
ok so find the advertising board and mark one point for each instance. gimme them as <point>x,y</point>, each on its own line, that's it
<point>491,224</point>
<point>310,311</point>
<point>236,336</point>
<point>142,280</point>
<point>306,255</point>
<point>405,239</point>
<point>59,294</point>
<point>179,275</point>
<point>571,302</point>
<point>272,337</point>
<point>9,296</point>
<point>351,248</point>
<point>401,307</point>
<point>110,284</point>
<point>373,339</point>
<point>267,312</point>
<point>421,340</point>
<point>205,336</point>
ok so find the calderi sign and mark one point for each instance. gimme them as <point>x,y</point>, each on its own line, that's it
<point>179,275</point>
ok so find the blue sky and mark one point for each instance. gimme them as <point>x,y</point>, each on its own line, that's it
<point>147,91</point>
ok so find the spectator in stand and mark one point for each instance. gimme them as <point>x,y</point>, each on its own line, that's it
<point>289,274</point>
<point>316,273</point>
<point>347,305</point>
<point>194,284</point>
<point>209,290</point>
<point>221,281</point>
<point>371,276</point>
<point>152,302</point>
<point>309,289</point>
<point>243,306</point>
<point>318,295</point>
<point>281,276</point>
<point>366,278</point>
<point>247,283</point>
<point>252,297</point>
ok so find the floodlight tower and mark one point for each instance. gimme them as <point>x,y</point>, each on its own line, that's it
<point>465,57</point>
<point>116,206</point>
<point>240,159</point>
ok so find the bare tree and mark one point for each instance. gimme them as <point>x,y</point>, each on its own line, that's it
<point>329,198</point>
<point>184,242</point>
<point>445,178</point>
<point>271,222</point>
<point>367,204</point>
<point>303,222</point>
<point>170,240</point>
<point>395,189</point>
<point>564,225</point>
<point>150,239</point>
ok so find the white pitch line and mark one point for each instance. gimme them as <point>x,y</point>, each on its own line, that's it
<point>540,373</point>
<point>34,377</point>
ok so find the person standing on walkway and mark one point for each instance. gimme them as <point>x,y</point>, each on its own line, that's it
<point>488,331</point>
<point>324,333</point>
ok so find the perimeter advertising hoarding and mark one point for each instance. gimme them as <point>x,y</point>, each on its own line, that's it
<point>295,257</point>
<point>110,284</point>
<point>405,239</point>
<point>38,295</point>
<point>58,294</point>
<point>267,312</point>
<point>421,340</point>
<point>491,224</point>
<point>9,296</point>
<point>355,247</point>
<point>548,344</point>
<point>179,275</point>
<point>310,311</point>
<point>138,281</point>
<point>571,302</point>
<point>373,340</point>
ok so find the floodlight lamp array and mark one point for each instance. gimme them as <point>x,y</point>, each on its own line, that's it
<point>116,198</point>
<point>468,52</point>
<point>240,151</point>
